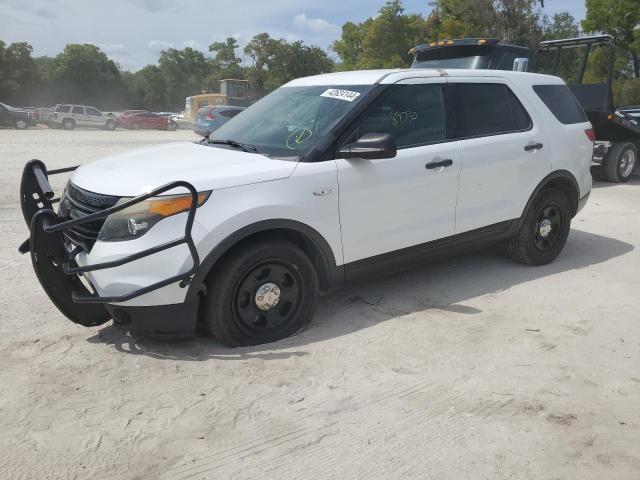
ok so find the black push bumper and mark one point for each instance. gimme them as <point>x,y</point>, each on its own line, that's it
<point>60,276</point>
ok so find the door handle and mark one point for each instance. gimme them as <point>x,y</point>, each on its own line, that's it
<point>447,162</point>
<point>533,146</point>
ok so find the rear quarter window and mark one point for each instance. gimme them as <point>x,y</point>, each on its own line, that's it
<point>561,102</point>
<point>481,109</point>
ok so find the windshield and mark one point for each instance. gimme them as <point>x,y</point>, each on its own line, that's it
<point>290,121</point>
<point>463,56</point>
<point>8,107</point>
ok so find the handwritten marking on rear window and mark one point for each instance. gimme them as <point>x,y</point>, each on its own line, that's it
<point>401,118</point>
<point>298,137</point>
<point>346,95</point>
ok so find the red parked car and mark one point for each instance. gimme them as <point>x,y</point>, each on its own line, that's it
<point>144,119</point>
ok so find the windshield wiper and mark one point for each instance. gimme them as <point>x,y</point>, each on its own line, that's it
<point>242,146</point>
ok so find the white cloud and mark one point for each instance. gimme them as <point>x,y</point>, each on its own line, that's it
<point>316,25</point>
<point>159,45</point>
<point>194,44</point>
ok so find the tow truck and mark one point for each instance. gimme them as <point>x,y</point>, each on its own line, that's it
<point>617,130</point>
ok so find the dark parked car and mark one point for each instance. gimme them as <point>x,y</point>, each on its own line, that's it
<point>144,119</point>
<point>210,118</point>
<point>14,117</point>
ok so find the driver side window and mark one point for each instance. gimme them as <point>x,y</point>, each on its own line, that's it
<point>413,114</point>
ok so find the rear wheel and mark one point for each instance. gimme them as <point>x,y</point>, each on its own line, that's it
<point>621,161</point>
<point>544,230</point>
<point>172,127</point>
<point>135,126</point>
<point>260,293</point>
<point>68,124</point>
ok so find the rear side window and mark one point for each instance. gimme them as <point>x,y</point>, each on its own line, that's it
<point>413,114</point>
<point>480,109</point>
<point>561,102</point>
<point>93,111</point>
<point>63,109</point>
<point>79,110</point>
<point>230,113</point>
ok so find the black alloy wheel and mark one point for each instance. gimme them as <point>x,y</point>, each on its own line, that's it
<point>261,291</point>
<point>267,298</point>
<point>544,229</point>
<point>547,228</point>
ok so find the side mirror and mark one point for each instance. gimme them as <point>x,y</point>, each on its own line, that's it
<point>371,146</point>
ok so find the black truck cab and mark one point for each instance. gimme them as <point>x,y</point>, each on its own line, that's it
<point>482,53</point>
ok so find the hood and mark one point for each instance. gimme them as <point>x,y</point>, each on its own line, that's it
<point>206,168</point>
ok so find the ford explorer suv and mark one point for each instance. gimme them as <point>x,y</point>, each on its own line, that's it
<point>328,179</point>
<point>72,116</point>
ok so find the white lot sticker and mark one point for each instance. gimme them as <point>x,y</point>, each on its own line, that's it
<point>347,95</point>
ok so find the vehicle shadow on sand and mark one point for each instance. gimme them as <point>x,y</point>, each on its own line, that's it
<point>634,180</point>
<point>444,285</point>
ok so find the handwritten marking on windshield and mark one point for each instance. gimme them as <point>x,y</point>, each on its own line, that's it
<point>298,137</point>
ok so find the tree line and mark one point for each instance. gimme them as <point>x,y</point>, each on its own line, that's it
<point>82,73</point>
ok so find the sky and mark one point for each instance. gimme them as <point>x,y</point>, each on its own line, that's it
<point>133,32</point>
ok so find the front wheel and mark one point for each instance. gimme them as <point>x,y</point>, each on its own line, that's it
<point>135,126</point>
<point>544,230</point>
<point>21,124</point>
<point>621,161</point>
<point>69,124</point>
<point>172,127</point>
<point>260,293</point>
<point>110,125</point>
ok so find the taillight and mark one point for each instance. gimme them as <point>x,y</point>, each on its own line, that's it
<point>591,134</point>
<point>210,116</point>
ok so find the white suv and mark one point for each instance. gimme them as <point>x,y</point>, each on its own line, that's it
<point>71,116</point>
<point>328,179</point>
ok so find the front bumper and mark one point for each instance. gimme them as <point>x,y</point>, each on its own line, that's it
<point>67,284</point>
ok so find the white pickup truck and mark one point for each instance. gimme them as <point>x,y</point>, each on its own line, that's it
<point>328,179</point>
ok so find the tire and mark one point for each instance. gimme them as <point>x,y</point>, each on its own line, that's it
<point>110,125</point>
<point>544,230</point>
<point>135,126</point>
<point>240,310</point>
<point>68,124</point>
<point>21,124</point>
<point>172,127</point>
<point>621,161</point>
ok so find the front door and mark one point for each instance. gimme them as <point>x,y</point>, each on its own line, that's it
<point>391,204</point>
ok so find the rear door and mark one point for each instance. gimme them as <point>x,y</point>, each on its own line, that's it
<point>77,113</point>
<point>504,151</point>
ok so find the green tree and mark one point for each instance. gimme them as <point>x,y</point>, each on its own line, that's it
<point>513,21</point>
<point>276,61</point>
<point>185,73</point>
<point>226,59</point>
<point>18,73</point>
<point>380,42</point>
<point>618,18</point>
<point>147,89</point>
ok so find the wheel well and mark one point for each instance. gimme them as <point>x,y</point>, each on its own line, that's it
<point>567,187</point>
<point>315,253</point>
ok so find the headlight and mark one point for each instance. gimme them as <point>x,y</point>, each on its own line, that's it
<point>136,220</point>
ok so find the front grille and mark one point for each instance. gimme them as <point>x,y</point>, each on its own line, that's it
<point>77,202</point>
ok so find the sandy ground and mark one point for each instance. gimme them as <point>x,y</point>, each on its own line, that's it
<point>475,367</point>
